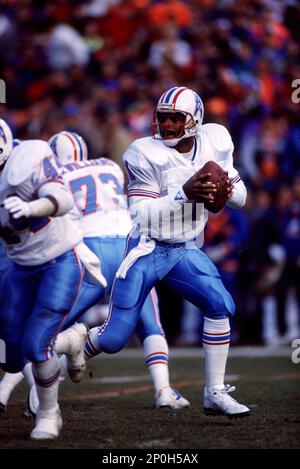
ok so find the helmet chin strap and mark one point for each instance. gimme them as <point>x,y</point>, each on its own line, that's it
<point>172,142</point>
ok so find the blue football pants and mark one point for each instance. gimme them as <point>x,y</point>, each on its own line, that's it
<point>188,271</point>
<point>34,301</point>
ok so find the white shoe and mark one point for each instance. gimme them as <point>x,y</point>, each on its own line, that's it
<point>32,401</point>
<point>4,396</point>
<point>168,397</point>
<point>76,336</point>
<point>48,425</point>
<point>218,402</point>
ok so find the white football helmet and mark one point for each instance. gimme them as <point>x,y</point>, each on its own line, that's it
<point>16,142</point>
<point>69,147</point>
<point>183,101</point>
<point>6,142</point>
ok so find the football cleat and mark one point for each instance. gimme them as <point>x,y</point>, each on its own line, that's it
<point>4,396</point>
<point>48,425</point>
<point>218,402</point>
<point>170,398</point>
<point>76,336</point>
<point>7,384</point>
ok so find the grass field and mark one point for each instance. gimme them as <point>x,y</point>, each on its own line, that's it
<point>114,409</point>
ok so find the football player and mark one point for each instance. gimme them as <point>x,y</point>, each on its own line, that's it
<point>44,243</point>
<point>98,189</point>
<point>167,196</point>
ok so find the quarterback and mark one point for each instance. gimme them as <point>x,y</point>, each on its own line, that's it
<point>169,198</point>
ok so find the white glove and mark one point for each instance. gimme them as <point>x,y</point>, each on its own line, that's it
<point>17,207</point>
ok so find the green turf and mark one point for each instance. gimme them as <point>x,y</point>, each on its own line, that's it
<point>271,386</point>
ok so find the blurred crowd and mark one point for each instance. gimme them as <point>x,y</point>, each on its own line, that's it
<point>97,67</point>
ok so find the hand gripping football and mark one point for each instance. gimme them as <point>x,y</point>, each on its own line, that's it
<point>220,178</point>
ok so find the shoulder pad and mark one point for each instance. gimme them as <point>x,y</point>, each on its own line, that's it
<point>24,159</point>
<point>153,150</point>
<point>218,137</point>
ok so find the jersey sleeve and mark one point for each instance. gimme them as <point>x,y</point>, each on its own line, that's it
<point>49,182</point>
<point>49,173</point>
<point>143,181</point>
<point>239,194</point>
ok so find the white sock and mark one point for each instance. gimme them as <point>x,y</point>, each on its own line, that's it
<point>216,340</point>
<point>91,348</point>
<point>28,375</point>
<point>156,355</point>
<point>46,376</point>
<point>63,367</point>
<point>7,384</point>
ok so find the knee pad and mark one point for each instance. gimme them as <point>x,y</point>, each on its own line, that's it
<point>31,351</point>
<point>34,350</point>
<point>117,332</point>
<point>111,343</point>
<point>222,303</point>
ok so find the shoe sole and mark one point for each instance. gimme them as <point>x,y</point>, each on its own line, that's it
<point>215,413</point>
<point>43,436</point>
<point>170,407</point>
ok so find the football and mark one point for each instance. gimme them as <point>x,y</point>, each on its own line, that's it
<point>218,177</point>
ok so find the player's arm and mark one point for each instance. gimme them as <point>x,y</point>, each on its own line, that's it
<point>53,199</point>
<point>238,195</point>
<point>145,202</point>
<point>221,141</point>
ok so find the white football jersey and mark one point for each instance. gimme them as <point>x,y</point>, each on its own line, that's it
<point>98,190</point>
<point>156,170</point>
<point>31,172</point>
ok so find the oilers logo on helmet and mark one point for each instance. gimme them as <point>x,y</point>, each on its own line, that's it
<point>185,101</point>
<point>68,147</point>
